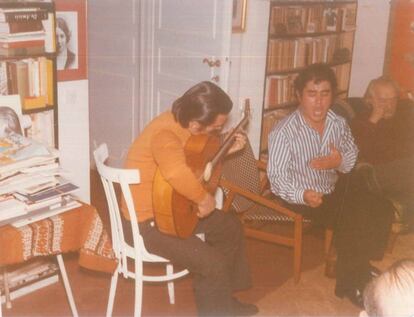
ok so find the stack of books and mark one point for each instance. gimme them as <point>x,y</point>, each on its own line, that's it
<point>32,184</point>
<point>28,278</point>
<point>22,31</point>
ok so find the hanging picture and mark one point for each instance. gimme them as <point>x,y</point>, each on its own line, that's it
<point>71,39</point>
<point>239,15</point>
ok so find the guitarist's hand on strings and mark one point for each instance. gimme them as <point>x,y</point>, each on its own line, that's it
<point>239,142</point>
<point>206,206</point>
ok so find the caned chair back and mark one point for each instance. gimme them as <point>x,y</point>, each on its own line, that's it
<point>244,185</point>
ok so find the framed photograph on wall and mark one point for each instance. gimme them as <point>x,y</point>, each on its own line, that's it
<point>71,39</point>
<point>239,16</point>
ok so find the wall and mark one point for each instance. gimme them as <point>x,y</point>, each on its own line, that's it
<point>248,66</point>
<point>74,133</point>
<point>370,43</point>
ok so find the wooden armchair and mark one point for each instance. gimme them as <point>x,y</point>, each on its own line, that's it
<point>245,187</point>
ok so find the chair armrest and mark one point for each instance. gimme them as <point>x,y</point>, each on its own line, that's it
<point>234,189</point>
<point>262,165</point>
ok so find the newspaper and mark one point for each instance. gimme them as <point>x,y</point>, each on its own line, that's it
<point>18,152</point>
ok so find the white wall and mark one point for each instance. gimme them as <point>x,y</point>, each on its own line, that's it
<point>248,66</point>
<point>74,133</point>
<point>370,44</point>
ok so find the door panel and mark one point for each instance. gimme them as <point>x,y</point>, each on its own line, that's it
<point>185,33</point>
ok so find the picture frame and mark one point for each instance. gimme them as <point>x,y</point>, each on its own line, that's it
<point>71,28</point>
<point>239,16</point>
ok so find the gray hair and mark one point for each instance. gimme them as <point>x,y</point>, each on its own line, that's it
<point>380,81</point>
<point>392,293</point>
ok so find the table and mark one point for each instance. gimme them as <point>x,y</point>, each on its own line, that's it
<point>79,229</point>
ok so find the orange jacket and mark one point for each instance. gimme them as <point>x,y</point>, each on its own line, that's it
<point>161,145</point>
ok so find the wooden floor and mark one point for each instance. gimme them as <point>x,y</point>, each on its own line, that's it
<point>271,267</point>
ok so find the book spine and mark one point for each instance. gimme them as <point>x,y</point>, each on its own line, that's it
<point>50,30</point>
<point>32,287</point>
<point>21,16</point>
<point>21,51</point>
<point>28,43</point>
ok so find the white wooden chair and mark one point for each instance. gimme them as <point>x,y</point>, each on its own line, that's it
<point>137,252</point>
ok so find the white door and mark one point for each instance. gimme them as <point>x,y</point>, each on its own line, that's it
<point>183,42</point>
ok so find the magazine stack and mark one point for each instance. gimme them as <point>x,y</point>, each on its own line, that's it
<point>32,184</point>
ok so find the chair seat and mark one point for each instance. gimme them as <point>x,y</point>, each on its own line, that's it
<point>262,213</point>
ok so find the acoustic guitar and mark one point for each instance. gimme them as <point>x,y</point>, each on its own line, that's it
<point>175,214</point>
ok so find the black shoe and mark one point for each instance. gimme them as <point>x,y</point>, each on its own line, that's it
<point>354,295</point>
<point>373,271</point>
<point>243,309</point>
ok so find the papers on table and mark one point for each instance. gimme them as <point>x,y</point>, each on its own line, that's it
<point>11,207</point>
<point>32,184</point>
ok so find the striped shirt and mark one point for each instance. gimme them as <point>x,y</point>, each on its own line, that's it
<point>293,144</point>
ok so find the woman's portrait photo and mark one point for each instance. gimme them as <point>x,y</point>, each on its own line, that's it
<point>71,39</point>
<point>66,40</point>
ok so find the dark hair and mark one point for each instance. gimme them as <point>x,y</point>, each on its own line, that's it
<point>202,103</point>
<point>61,24</point>
<point>316,72</point>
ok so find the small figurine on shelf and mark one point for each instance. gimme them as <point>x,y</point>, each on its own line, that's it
<point>9,121</point>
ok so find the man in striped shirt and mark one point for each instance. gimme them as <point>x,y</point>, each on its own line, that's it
<point>310,153</point>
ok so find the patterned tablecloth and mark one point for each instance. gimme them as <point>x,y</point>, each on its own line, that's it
<point>79,229</point>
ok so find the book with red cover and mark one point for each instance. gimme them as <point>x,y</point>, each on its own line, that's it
<point>24,43</point>
<point>21,26</point>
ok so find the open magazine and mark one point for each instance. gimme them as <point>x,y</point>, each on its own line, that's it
<point>18,152</point>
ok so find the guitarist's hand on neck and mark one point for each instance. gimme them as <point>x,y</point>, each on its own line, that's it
<point>238,144</point>
<point>206,206</point>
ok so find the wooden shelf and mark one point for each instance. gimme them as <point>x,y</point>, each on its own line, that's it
<point>316,34</point>
<point>300,32</point>
<point>31,72</point>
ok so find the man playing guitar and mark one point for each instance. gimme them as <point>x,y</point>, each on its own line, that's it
<point>219,263</point>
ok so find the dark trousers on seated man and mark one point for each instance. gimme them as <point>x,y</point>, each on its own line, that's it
<point>219,263</point>
<point>395,179</point>
<point>361,222</point>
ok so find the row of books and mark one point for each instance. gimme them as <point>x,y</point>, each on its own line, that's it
<point>280,88</point>
<point>27,275</point>
<point>289,54</point>
<point>26,31</point>
<point>31,78</point>
<point>295,19</point>
<point>32,184</point>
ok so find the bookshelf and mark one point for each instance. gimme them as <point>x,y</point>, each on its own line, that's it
<point>28,63</point>
<point>302,33</point>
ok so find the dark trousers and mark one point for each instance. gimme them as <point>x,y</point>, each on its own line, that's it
<point>219,264</point>
<point>361,222</point>
<point>396,180</point>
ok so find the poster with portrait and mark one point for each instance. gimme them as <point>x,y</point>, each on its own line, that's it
<point>71,37</point>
